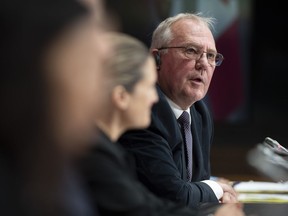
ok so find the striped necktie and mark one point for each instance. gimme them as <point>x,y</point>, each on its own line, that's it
<point>184,121</point>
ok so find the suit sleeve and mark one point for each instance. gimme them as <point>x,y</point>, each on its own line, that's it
<point>157,169</point>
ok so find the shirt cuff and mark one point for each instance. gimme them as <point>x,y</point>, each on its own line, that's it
<point>217,189</point>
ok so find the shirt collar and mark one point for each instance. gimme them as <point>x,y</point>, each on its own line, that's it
<point>176,109</point>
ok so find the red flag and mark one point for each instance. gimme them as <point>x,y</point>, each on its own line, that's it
<point>226,94</point>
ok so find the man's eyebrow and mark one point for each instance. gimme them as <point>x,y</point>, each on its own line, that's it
<point>192,44</point>
<point>198,46</point>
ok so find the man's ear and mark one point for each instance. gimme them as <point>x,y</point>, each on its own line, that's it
<point>120,97</point>
<point>157,57</point>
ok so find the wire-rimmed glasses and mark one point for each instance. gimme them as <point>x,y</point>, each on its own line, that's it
<point>213,58</point>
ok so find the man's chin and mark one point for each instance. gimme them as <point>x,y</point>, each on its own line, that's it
<point>195,95</point>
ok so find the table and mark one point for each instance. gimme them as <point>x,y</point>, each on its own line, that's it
<point>266,209</point>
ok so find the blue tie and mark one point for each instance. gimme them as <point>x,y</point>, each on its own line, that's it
<point>184,121</point>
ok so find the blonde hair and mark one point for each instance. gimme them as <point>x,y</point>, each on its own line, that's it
<point>129,54</point>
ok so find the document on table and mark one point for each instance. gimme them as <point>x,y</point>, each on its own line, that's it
<point>262,198</point>
<point>257,191</point>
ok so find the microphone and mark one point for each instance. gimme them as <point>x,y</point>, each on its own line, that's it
<point>270,158</point>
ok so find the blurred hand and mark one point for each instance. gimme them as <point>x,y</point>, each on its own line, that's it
<point>223,180</point>
<point>230,209</point>
<point>229,195</point>
<point>228,198</point>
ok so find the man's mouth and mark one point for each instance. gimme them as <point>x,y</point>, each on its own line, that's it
<point>197,79</point>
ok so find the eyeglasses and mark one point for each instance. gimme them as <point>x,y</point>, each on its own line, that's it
<point>214,59</point>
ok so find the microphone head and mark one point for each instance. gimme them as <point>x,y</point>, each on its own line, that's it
<point>270,158</point>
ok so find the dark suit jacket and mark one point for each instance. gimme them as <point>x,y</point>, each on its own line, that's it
<point>114,187</point>
<point>160,156</point>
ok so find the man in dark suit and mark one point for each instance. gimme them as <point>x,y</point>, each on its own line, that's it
<point>173,158</point>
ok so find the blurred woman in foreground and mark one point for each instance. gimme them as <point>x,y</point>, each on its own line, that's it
<point>51,54</point>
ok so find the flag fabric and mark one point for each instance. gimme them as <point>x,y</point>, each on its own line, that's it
<point>226,94</point>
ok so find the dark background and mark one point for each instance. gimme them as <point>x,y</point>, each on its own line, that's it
<point>266,83</point>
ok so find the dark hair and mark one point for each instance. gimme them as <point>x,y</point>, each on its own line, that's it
<point>29,175</point>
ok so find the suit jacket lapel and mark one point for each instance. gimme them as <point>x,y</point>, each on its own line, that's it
<point>176,139</point>
<point>165,114</point>
<point>196,126</point>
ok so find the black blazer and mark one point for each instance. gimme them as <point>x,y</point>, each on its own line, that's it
<point>115,189</point>
<point>160,157</point>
